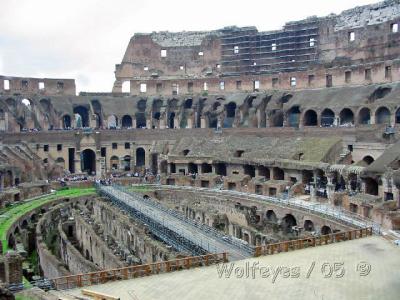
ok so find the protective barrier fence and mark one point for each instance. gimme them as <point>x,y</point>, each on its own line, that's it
<point>100,277</point>
<point>287,246</point>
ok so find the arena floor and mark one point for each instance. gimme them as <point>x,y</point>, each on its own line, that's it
<point>367,268</point>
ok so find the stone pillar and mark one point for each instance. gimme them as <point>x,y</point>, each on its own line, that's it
<point>13,268</point>
<point>133,123</point>
<point>78,162</point>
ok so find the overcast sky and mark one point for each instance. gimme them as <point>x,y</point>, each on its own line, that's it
<point>84,39</point>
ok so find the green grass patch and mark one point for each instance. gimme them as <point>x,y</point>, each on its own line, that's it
<point>12,214</point>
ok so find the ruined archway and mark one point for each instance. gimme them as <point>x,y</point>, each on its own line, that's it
<point>114,162</point>
<point>126,163</point>
<point>276,118</point>
<point>310,118</point>
<point>308,225</point>
<point>367,160</point>
<point>83,112</point>
<point>346,117</point>
<point>271,216</point>
<point>371,186</point>
<point>88,161</point>
<point>327,118</point>
<point>230,110</point>
<point>382,115</point>
<point>326,230</point>
<point>112,122</point>
<point>293,116</point>
<point>126,121</point>
<point>364,116</point>
<point>66,121</point>
<point>288,222</point>
<point>278,174</point>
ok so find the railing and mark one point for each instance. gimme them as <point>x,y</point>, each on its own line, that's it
<point>335,214</point>
<point>292,245</point>
<point>100,277</point>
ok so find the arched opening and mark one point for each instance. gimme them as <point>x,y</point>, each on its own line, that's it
<point>141,114</point>
<point>308,225</point>
<point>66,121</point>
<point>188,104</point>
<point>112,122</point>
<point>206,168</point>
<point>88,161</point>
<point>325,230</point>
<point>140,157</point>
<point>83,119</point>
<point>382,115</point>
<point>288,222</point>
<point>127,163</point>
<point>26,102</point>
<point>346,117</point>
<point>60,162</point>
<point>230,110</point>
<point>397,116</point>
<point>371,186</point>
<point>278,173</point>
<point>192,168</point>
<point>250,170</point>
<point>293,116</point>
<point>212,121</point>
<point>327,118</point>
<point>276,118</point>
<point>220,169</point>
<point>264,171</point>
<point>114,162</point>
<point>310,118</point>
<point>24,224</point>
<point>171,120</point>
<point>271,216</point>
<point>126,121</point>
<point>140,120</point>
<point>364,116</point>
<point>367,160</point>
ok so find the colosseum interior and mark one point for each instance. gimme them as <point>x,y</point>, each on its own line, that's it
<point>212,146</point>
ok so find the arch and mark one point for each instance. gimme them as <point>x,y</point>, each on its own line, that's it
<point>371,186</point>
<point>192,168</point>
<point>61,162</point>
<point>141,105</point>
<point>308,225</point>
<point>171,120</point>
<point>206,168</point>
<point>66,120</point>
<point>293,116</point>
<point>140,157</point>
<point>397,116</point>
<point>288,222</point>
<point>112,122</point>
<point>276,118</point>
<point>212,121</point>
<point>127,163</point>
<point>327,118</point>
<point>188,103</point>
<point>249,170</point>
<point>278,174</point>
<point>140,120</point>
<point>382,115</point>
<point>368,160</point>
<point>310,118</point>
<point>220,169</point>
<point>230,110</point>
<point>271,216</point>
<point>11,103</point>
<point>264,171</point>
<point>88,161</point>
<point>45,103</point>
<point>126,121</point>
<point>83,112</point>
<point>326,230</point>
<point>346,116</point>
<point>24,224</point>
<point>114,162</point>
<point>364,116</point>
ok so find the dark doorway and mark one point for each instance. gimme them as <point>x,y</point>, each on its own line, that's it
<point>140,157</point>
<point>88,161</point>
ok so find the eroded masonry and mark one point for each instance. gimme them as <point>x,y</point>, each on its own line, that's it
<point>310,111</point>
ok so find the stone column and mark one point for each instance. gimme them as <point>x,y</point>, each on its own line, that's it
<point>13,268</point>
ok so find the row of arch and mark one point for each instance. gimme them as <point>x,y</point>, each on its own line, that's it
<point>327,117</point>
